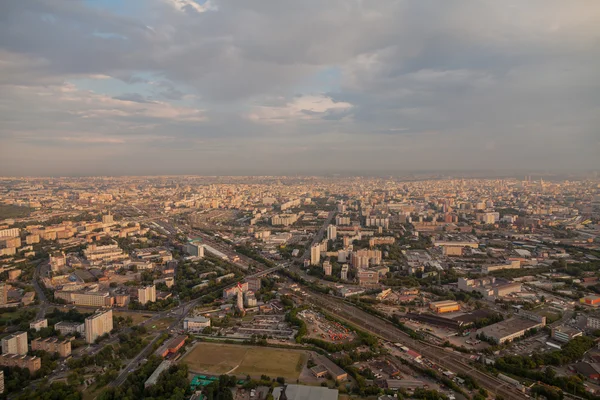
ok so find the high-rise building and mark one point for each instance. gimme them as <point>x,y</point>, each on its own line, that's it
<point>147,294</point>
<point>3,293</point>
<point>1,381</point>
<point>15,343</point>
<point>107,219</point>
<point>240,301</point>
<point>331,232</point>
<point>195,249</point>
<point>327,268</point>
<point>315,254</point>
<point>344,273</point>
<point>97,325</point>
<point>254,284</point>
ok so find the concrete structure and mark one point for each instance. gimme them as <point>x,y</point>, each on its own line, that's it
<point>195,324</point>
<point>68,328</point>
<point>315,254</point>
<point>1,381</point>
<point>147,294</point>
<point>89,299</point>
<point>15,343</point>
<point>444,306</point>
<point>365,258</point>
<point>284,219</point>
<point>58,261</point>
<point>490,287</point>
<point>52,345</point>
<point>344,272</point>
<point>486,269</point>
<point>97,325</point>
<point>195,249</point>
<point>38,324</point>
<point>564,334</point>
<point>327,268</point>
<point>301,392</point>
<point>331,232</point>
<point>367,278</point>
<point>101,254</point>
<point>254,284</point>
<point>10,233</point>
<point>593,322</point>
<point>32,363</point>
<point>163,366</point>
<point>3,293</point>
<point>171,346</point>
<point>592,300</point>
<point>509,329</point>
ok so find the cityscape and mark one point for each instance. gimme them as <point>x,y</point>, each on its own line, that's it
<point>310,200</point>
<point>300,287</point>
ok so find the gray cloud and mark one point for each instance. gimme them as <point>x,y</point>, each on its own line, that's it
<point>371,85</point>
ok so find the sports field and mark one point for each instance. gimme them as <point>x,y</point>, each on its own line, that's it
<point>216,358</point>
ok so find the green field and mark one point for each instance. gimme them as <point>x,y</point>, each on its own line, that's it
<point>214,358</point>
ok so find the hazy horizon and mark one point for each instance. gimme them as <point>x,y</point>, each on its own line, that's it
<point>221,87</point>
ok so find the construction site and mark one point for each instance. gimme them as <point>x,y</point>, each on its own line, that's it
<point>319,327</point>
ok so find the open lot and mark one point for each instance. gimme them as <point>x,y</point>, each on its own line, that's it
<point>215,358</point>
<point>320,327</point>
<point>136,317</point>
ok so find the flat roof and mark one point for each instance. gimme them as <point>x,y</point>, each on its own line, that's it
<point>301,392</point>
<point>508,327</point>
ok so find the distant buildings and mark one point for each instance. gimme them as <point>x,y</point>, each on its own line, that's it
<point>490,287</point>
<point>97,325</point>
<point>284,219</point>
<point>591,300</point>
<point>15,343</point>
<point>101,254</point>
<point>344,272</point>
<point>331,232</point>
<point>195,249</point>
<point>367,277</point>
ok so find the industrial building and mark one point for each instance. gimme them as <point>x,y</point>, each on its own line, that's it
<point>171,346</point>
<point>444,306</point>
<point>592,300</point>
<point>510,329</point>
<point>301,392</point>
<point>564,334</point>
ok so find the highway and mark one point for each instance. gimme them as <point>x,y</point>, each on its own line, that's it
<point>40,293</point>
<point>452,361</point>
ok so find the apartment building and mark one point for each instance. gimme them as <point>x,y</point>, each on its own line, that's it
<point>32,363</point>
<point>97,325</point>
<point>147,294</point>
<point>15,343</point>
<point>52,345</point>
<point>284,219</point>
<point>3,293</point>
<point>89,299</point>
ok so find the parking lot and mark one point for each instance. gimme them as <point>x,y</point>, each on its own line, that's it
<point>319,327</point>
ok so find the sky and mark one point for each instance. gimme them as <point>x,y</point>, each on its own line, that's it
<point>220,87</point>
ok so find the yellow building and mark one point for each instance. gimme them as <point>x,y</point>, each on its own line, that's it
<point>444,306</point>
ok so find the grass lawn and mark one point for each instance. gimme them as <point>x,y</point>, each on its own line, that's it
<point>136,317</point>
<point>216,358</point>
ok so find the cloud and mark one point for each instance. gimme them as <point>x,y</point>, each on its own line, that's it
<point>300,108</point>
<point>438,82</point>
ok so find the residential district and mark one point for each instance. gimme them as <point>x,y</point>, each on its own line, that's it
<point>187,287</point>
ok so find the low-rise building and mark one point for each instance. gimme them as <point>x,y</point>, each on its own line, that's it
<point>171,346</point>
<point>564,333</point>
<point>32,363</point>
<point>52,345</point>
<point>444,306</point>
<point>195,324</point>
<point>68,328</point>
<point>38,324</point>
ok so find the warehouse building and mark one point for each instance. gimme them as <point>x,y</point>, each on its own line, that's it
<point>510,329</point>
<point>444,306</point>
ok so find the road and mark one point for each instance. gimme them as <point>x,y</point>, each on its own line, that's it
<point>318,236</point>
<point>44,303</point>
<point>452,361</point>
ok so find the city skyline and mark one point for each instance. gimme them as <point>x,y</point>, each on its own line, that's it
<point>153,87</point>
